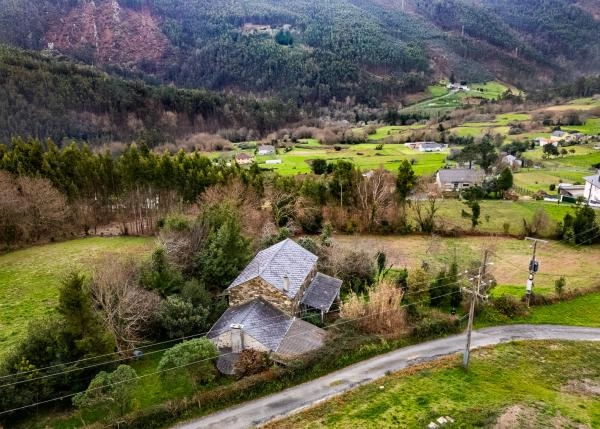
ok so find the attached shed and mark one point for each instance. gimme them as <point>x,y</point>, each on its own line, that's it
<point>322,292</point>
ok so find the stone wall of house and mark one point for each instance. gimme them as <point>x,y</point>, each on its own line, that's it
<point>302,290</point>
<point>258,288</point>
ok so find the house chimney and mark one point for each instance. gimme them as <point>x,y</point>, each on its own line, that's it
<point>286,283</point>
<point>237,338</point>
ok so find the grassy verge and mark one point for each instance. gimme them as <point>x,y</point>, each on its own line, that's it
<point>539,385</point>
<point>581,311</point>
<point>29,278</point>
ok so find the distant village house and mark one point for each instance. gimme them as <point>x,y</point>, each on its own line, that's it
<point>266,149</point>
<point>512,161</point>
<point>449,180</point>
<point>430,147</point>
<point>243,159</point>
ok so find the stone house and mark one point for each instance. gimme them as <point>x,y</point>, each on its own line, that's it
<point>267,301</point>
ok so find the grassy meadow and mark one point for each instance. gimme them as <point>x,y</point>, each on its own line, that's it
<point>366,156</point>
<point>510,258</point>
<point>30,278</point>
<point>540,384</point>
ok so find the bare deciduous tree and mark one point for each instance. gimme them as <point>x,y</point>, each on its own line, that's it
<point>127,309</point>
<point>44,207</point>
<point>374,194</point>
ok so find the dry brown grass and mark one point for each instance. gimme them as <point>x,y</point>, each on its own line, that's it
<point>510,256</point>
<point>380,312</point>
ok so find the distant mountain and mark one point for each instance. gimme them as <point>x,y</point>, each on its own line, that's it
<point>313,51</point>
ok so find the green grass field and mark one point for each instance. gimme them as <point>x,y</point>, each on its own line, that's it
<point>443,99</point>
<point>30,278</point>
<point>365,156</point>
<point>391,130</point>
<point>581,311</point>
<point>520,384</point>
<point>591,127</point>
<point>495,213</point>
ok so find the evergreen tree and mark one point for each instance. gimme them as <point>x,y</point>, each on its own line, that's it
<point>82,326</point>
<point>225,254</point>
<point>405,180</point>
<point>505,180</point>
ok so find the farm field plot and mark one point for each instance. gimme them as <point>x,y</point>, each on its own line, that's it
<point>578,104</point>
<point>365,156</point>
<point>496,213</point>
<point>546,383</point>
<point>590,127</point>
<point>581,311</point>
<point>510,256</point>
<point>387,131</point>
<point>29,278</point>
<point>443,99</point>
<point>535,180</point>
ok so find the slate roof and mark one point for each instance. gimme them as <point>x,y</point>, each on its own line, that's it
<point>301,338</point>
<point>272,264</point>
<point>321,292</point>
<point>259,319</point>
<point>460,175</point>
<point>280,333</point>
<point>242,156</point>
<point>558,133</point>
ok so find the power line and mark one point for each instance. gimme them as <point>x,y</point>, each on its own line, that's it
<point>195,362</point>
<point>104,363</point>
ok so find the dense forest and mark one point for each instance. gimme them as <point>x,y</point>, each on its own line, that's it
<point>312,52</point>
<point>45,97</point>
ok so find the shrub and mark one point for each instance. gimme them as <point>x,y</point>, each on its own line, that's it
<point>195,357</point>
<point>309,244</point>
<point>252,362</point>
<point>509,306</point>
<point>435,324</point>
<point>356,269</point>
<point>109,389</point>
<point>559,285</point>
<point>179,318</point>
<point>380,312</point>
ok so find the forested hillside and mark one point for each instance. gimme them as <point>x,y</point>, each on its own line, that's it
<point>44,97</point>
<point>311,51</point>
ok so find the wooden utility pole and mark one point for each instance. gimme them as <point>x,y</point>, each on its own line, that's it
<point>533,268</point>
<point>475,293</point>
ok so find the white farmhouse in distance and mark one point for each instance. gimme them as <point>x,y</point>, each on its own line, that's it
<point>591,193</point>
<point>266,149</point>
